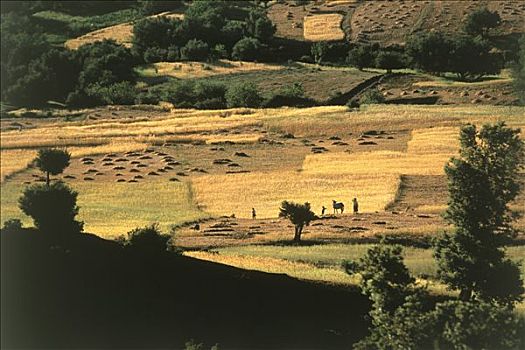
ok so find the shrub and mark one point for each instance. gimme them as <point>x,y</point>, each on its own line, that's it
<point>121,93</point>
<point>243,95</point>
<point>12,225</point>
<point>247,49</point>
<point>155,54</point>
<point>318,51</point>
<point>353,103</point>
<point>209,95</point>
<point>306,59</point>
<point>173,54</point>
<point>148,239</point>
<point>372,96</point>
<point>53,208</point>
<point>195,50</point>
<point>518,72</point>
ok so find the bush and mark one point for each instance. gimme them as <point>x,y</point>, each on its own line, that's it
<point>247,49</point>
<point>243,95</point>
<point>195,50</point>
<point>12,225</point>
<point>155,54</point>
<point>306,59</point>
<point>353,103</point>
<point>148,239</point>
<point>122,93</point>
<point>53,208</point>
<point>372,96</point>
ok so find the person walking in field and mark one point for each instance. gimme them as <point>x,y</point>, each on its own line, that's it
<point>254,214</point>
<point>356,205</point>
<point>323,209</point>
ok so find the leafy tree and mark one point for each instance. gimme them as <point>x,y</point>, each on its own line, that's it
<point>399,319</point>
<point>518,72</point>
<point>195,50</point>
<point>480,21</point>
<point>363,56</point>
<point>148,239</point>
<point>243,95</point>
<point>159,33</point>
<point>259,26</point>
<point>247,49</point>
<point>52,161</point>
<point>430,52</point>
<point>390,60</point>
<point>149,7</point>
<point>477,325</point>
<point>300,215</point>
<point>293,90</point>
<point>121,93</point>
<point>232,32</point>
<point>471,58</point>
<point>318,51</point>
<point>53,208</point>
<point>482,182</point>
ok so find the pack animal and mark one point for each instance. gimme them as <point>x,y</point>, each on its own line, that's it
<point>338,206</point>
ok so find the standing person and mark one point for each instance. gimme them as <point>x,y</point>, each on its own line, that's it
<point>254,214</point>
<point>323,209</point>
<point>356,205</point>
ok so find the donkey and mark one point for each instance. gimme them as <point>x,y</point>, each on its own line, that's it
<point>338,206</point>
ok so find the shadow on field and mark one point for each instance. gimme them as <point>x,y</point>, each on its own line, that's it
<point>92,293</point>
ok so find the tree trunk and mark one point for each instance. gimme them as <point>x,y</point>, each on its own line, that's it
<point>298,231</point>
<point>47,178</point>
<point>465,294</point>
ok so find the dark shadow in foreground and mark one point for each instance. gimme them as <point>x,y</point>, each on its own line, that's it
<point>92,293</point>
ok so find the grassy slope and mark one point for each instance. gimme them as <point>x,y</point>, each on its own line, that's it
<point>318,83</point>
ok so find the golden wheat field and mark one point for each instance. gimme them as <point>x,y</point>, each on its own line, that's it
<point>121,33</point>
<point>273,168</point>
<point>187,70</point>
<point>323,27</point>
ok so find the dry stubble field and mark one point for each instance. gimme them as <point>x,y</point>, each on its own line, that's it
<point>135,166</point>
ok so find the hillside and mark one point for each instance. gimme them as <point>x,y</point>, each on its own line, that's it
<point>386,22</point>
<point>90,293</point>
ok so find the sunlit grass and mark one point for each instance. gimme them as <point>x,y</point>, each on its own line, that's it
<point>12,161</point>
<point>111,209</point>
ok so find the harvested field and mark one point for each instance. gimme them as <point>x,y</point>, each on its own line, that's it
<point>325,27</point>
<point>191,70</point>
<point>238,193</point>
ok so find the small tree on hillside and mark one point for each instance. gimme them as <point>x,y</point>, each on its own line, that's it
<point>482,182</point>
<point>480,21</point>
<point>247,49</point>
<point>518,72</point>
<point>362,56</point>
<point>53,208</point>
<point>390,60</point>
<point>299,214</point>
<point>52,161</point>
<point>318,51</point>
<point>148,239</point>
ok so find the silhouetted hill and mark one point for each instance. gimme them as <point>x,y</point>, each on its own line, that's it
<point>94,293</point>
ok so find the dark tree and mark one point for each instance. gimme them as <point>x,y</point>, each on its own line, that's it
<point>53,208</point>
<point>471,58</point>
<point>300,215</point>
<point>430,52</point>
<point>518,72</point>
<point>362,56</point>
<point>480,21</point>
<point>259,25</point>
<point>52,161</point>
<point>390,60</point>
<point>482,182</point>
